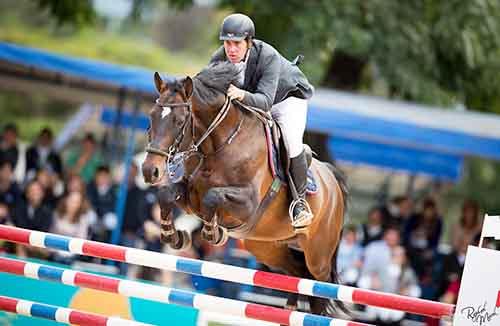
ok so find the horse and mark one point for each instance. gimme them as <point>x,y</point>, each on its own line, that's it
<point>221,152</point>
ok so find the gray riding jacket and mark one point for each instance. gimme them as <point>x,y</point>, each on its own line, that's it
<point>269,77</point>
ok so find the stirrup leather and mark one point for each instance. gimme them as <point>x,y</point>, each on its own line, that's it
<point>304,218</point>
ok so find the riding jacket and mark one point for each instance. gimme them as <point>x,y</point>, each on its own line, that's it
<point>269,77</point>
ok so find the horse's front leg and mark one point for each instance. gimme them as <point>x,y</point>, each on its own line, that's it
<point>239,202</point>
<point>168,195</point>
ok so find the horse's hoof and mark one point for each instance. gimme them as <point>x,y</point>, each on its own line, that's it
<point>184,241</point>
<point>216,237</point>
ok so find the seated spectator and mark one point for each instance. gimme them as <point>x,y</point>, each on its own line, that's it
<point>85,160</point>
<point>31,212</point>
<point>373,229</point>
<point>452,266</point>
<point>52,186</point>
<point>376,258</point>
<point>41,155</point>
<point>150,233</point>
<point>399,279</point>
<point>421,237</point>
<point>10,193</point>
<point>397,211</point>
<point>102,195</point>
<point>5,214</point>
<point>72,218</point>
<point>14,151</point>
<point>349,256</point>
<point>470,223</point>
<point>75,183</point>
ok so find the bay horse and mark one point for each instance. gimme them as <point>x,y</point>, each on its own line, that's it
<point>221,151</point>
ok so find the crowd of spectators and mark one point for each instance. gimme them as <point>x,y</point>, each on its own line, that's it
<point>73,194</point>
<point>397,250</point>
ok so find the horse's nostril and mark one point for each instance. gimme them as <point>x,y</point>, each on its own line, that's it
<point>156,173</point>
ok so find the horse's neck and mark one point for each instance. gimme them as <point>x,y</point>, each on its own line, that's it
<point>220,135</point>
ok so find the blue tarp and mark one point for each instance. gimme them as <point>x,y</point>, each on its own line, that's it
<point>388,134</point>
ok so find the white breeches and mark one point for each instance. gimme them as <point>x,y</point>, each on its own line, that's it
<point>292,115</point>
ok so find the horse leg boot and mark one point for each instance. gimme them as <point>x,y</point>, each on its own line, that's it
<point>167,197</point>
<point>300,212</point>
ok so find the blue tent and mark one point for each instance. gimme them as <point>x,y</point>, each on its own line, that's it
<point>363,130</point>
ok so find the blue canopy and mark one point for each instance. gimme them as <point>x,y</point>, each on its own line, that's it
<point>365,130</point>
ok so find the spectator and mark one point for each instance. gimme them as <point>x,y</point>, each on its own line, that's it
<point>84,161</point>
<point>400,279</point>
<point>349,256</point>
<point>41,155</point>
<point>373,229</point>
<point>10,193</point>
<point>470,224</point>
<point>377,257</point>
<point>75,183</point>
<point>51,185</point>
<point>421,237</point>
<point>5,214</point>
<point>13,151</point>
<point>72,218</point>
<point>150,233</point>
<point>32,213</point>
<point>102,196</point>
<point>452,266</point>
<point>397,212</point>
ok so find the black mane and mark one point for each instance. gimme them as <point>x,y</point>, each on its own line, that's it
<point>214,80</point>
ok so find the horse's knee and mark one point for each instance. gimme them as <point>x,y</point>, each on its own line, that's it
<point>212,198</point>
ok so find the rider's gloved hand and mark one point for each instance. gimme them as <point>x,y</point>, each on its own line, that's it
<point>235,93</point>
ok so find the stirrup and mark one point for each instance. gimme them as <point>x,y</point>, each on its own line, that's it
<point>304,218</point>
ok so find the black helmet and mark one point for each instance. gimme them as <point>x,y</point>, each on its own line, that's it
<point>236,27</point>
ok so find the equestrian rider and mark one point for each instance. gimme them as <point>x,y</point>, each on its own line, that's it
<point>270,82</point>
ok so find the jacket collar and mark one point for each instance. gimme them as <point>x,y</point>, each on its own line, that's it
<point>251,65</point>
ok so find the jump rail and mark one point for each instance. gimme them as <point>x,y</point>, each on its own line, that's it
<point>227,272</point>
<point>62,315</point>
<point>167,295</point>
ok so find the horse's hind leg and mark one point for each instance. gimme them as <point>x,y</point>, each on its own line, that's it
<point>167,196</point>
<point>278,256</point>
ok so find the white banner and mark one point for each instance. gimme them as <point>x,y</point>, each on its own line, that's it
<point>479,297</point>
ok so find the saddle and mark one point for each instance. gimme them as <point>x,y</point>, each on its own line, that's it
<point>278,157</point>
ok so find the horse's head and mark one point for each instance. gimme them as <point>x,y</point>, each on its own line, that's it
<point>168,121</point>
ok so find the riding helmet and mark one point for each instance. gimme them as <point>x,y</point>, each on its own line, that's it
<point>236,27</point>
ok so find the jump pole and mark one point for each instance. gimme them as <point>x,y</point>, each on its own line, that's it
<point>62,315</point>
<point>227,272</point>
<point>167,295</point>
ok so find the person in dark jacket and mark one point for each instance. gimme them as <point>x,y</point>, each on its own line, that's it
<point>102,195</point>
<point>42,155</point>
<point>10,192</point>
<point>270,82</point>
<point>32,213</point>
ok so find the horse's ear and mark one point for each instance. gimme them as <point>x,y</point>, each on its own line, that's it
<point>187,83</point>
<point>158,82</point>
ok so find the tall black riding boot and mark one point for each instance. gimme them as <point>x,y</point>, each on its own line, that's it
<point>300,212</point>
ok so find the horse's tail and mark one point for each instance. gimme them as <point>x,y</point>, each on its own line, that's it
<point>342,181</point>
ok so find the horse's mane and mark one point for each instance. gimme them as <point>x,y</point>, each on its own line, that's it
<point>214,80</point>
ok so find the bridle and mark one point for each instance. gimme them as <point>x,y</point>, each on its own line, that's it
<point>194,148</point>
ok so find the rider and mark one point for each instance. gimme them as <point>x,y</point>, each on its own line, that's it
<point>269,81</point>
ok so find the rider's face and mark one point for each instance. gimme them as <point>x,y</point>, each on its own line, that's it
<point>235,50</point>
